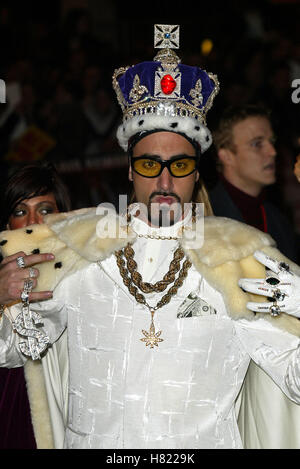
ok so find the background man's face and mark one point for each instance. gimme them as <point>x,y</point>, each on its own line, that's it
<point>165,191</point>
<point>253,162</point>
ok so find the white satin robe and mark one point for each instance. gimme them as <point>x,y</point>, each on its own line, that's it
<point>180,394</point>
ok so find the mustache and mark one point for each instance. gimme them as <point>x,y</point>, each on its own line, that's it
<point>164,194</point>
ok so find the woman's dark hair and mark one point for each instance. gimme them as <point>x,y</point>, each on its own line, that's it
<point>31,181</point>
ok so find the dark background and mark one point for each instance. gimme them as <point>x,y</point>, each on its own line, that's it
<point>58,57</point>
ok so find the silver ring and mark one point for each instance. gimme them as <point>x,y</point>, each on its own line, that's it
<point>284,266</point>
<point>25,296</point>
<point>28,284</point>
<point>20,262</point>
<point>31,272</point>
<point>275,310</point>
<point>278,295</point>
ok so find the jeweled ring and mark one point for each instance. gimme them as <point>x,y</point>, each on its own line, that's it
<point>25,296</point>
<point>20,261</point>
<point>272,281</point>
<point>278,295</point>
<point>32,272</point>
<point>28,284</point>
<point>284,266</point>
<point>275,310</point>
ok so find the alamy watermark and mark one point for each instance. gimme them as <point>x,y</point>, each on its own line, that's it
<point>185,222</point>
<point>296,92</point>
<point>2,92</point>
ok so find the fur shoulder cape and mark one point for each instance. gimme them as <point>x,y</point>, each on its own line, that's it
<point>225,256</point>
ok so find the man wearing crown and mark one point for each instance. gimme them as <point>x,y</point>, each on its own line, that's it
<point>163,316</point>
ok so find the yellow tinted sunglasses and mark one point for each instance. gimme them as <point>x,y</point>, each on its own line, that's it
<point>152,166</point>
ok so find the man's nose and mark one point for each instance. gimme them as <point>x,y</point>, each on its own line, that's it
<point>165,181</point>
<point>271,149</point>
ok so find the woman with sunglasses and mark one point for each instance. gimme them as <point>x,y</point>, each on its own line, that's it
<point>31,192</point>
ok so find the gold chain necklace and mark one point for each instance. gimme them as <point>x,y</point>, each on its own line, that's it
<point>151,338</point>
<point>146,287</point>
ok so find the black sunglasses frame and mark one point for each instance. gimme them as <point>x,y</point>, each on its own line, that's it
<point>164,164</point>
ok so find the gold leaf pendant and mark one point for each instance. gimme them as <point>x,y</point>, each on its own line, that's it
<point>152,338</point>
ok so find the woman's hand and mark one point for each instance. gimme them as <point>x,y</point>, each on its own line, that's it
<point>12,277</point>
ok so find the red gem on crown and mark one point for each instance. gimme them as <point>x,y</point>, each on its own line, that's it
<point>168,84</point>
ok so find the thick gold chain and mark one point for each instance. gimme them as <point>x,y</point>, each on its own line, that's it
<point>128,253</point>
<point>147,287</point>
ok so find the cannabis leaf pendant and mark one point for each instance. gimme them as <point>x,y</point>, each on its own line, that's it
<point>151,338</point>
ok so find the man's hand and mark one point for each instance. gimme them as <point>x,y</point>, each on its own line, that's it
<point>282,287</point>
<point>12,277</point>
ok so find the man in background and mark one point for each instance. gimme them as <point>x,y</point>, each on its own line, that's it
<point>244,141</point>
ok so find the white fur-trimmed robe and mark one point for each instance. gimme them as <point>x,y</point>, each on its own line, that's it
<point>225,257</point>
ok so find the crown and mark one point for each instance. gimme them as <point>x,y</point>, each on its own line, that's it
<point>165,94</point>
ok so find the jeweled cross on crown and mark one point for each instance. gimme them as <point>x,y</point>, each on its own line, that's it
<point>167,77</point>
<point>166,36</point>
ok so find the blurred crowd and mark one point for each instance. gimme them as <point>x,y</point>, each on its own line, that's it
<point>60,98</point>
<point>59,83</point>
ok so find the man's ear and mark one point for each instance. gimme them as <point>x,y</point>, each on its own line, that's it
<point>226,156</point>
